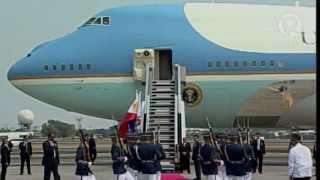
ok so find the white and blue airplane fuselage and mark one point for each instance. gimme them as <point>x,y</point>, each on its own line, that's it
<point>234,53</point>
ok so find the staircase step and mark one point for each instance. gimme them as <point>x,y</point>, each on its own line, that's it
<point>153,87</point>
<point>161,123</point>
<point>165,127</point>
<point>165,137</point>
<point>162,90</point>
<point>162,109</point>
<point>162,96</point>
<point>169,115</point>
<point>167,141</point>
<point>161,129</point>
<point>163,82</point>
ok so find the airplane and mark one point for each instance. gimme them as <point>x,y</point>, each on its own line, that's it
<point>242,61</point>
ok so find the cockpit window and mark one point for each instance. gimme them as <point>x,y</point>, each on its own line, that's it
<point>106,20</point>
<point>89,21</point>
<point>97,21</point>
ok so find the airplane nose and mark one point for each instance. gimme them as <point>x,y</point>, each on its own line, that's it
<point>18,70</point>
<point>12,72</point>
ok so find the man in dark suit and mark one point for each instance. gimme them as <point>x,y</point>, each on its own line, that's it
<point>5,158</point>
<point>25,148</point>
<point>50,159</point>
<point>184,150</point>
<point>259,150</point>
<point>196,157</point>
<point>92,148</point>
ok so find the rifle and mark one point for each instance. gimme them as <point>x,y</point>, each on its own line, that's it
<point>122,151</point>
<point>239,132</point>
<point>248,132</point>
<point>211,137</point>
<point>83,141</point>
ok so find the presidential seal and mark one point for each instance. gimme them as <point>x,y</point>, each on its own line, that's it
<point>192,94</point>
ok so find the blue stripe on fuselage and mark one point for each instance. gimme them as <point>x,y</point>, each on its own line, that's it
<point>109,49</point>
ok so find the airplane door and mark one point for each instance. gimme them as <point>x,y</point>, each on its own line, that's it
<point>165,64</point>
<point>142,57</point>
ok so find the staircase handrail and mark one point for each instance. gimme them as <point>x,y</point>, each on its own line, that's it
<point>148,82</point>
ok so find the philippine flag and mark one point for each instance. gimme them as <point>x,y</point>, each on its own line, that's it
<point>130,117</point>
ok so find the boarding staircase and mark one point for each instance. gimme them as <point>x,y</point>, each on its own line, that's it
<point>164,114</point>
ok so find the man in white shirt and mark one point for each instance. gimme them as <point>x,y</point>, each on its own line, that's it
<point>300,160</point>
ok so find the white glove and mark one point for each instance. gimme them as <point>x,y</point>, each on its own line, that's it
<point>221,163</point>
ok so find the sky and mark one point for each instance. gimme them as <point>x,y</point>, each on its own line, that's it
<point>25,24</point>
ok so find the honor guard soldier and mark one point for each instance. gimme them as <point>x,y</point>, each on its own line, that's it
<point>161,155</point>
<point>196,156</point>
<point>118,161</point>
<point>25,148</point>
<point>235,159</point>
<point>50,159</point>
<point>83,161</point>
<point>148,154</point>
<point>133,161</point>
<point>210,159</point>
<point>251,162</point>
<point>222,139</point>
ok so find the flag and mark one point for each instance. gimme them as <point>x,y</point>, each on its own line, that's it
<point>130,117</point>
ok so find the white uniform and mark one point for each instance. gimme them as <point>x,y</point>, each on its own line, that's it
<point>92,177</point>
<point>148,177</point>
<point>124,176</point>
<point>212,177</point>
<point>134,173</point>
<point>248,176</point>
<point>222,172</point>
<point>300,161</point>
<point>236,178</point>
<point>158,175</point>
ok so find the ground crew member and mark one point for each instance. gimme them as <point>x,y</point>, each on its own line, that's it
<point>50,159</point>
<point>235,159</point>
<point>210,159</point>
<point>25,148</point>
<point>118,162</point>
<point>299,160</point>
<point>133,161</point>
<point>196,157</point>
<point>5,158</point>
<point>251,163</point>
<point>148,154</point>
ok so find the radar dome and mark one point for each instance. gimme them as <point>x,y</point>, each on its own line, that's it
<point>25,117</point>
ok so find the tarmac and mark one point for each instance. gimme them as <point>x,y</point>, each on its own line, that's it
<point>105,173</point>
